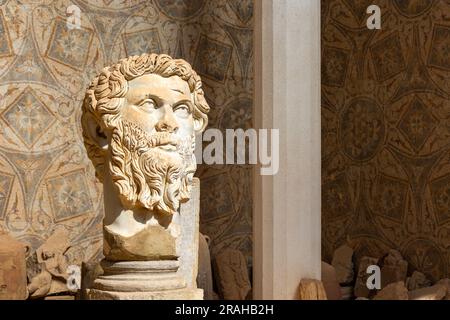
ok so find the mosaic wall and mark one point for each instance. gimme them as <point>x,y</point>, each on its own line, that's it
<point>386,131</point>
<point>46,180</point>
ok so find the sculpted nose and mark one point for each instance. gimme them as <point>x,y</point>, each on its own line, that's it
<point>168,123</point>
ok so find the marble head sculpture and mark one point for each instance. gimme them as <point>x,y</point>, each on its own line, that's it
<point>139,121</point>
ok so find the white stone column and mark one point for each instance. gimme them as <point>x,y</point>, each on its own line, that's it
<point>287,206</point>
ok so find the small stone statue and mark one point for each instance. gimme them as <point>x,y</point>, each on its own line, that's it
<point>51,278</point>
<point>140,117</point>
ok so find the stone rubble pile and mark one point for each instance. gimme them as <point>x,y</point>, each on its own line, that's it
<point>397,283</point>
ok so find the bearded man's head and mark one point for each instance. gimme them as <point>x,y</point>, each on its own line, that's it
<point>139,121</point>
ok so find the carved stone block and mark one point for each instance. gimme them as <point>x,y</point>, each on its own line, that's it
<point>361,289</point>
<point>394,268</point>
<point>343,264</point>
<point>231,275</point>
<point>436,292</point>
<point>13,275</point>
<point>417,280</point>
<point>393,291</point>
<point>446,284</point>
<point>310,289</point>
<point>330,283</point>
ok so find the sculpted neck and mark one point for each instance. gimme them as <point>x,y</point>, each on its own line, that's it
<point>136,234</point>
<point>122,221</point>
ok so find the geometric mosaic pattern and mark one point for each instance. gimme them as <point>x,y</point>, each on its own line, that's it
<point>387,57</point>
<point>217,197</point>
<point>46,179</point>
<point>362,129</point>
<point>5,44</point>
<point>142,41</point>
<point>336,201</point>
<point>440,49</point>
<point>440,191</point>
<point>417,124</point>
<point>213,58</point>
<point>242,8</point>
<point>412,9</point>
<point>391,198</point>
<point>180,9</point>
<point>28,117</point>
<point>69,195</point>
<point>5,190</point>
<point>334,66</point>
<point>386,150</point>
<point>69,46</point>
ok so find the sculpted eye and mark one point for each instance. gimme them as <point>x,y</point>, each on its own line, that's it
<point>182,111</point>
<point>148,105</point>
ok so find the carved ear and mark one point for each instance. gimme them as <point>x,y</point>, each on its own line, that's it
<point>199,124</point>
<point>95,132</point>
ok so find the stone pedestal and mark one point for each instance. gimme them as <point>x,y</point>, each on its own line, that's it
<point>160,279</point>
<point>142,280</point>
<point>188,242</point>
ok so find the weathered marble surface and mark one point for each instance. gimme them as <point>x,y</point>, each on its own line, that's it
<point>142,280</point>
<point>188,242</point>
<point>43,165</point>
<point>139,118</point>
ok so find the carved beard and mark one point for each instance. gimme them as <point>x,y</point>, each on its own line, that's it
<point>147,175</point>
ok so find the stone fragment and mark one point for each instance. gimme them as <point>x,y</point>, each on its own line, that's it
<point>33,266</point>
<point>393,291</point>
<point>394,268</point>
<point>231,275</point>
<point>436,292</point>
<point>347,293</point>
<point>417,280</point>
<point>53,266</point>
<point>310,289</point>
<point>89,272</point>
<point>40,285</point>
<point>57,243</point>
<point>13,274</point>
<point>330,283</point>
<point>343,264</point>
<point>361,289</point>
<point>51,253</point>
<point>204,276</point>
<point>446,283</point>
<point>362,298</point>
<point>151,243</point>
<point>62,297</point>
<point>58,286</point>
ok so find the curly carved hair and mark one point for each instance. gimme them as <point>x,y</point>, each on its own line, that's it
<point>104,96</point>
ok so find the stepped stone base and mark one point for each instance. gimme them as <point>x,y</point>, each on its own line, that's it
<point>142,280</point>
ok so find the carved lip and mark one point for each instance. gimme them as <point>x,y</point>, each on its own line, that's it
<point>168,146</point>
